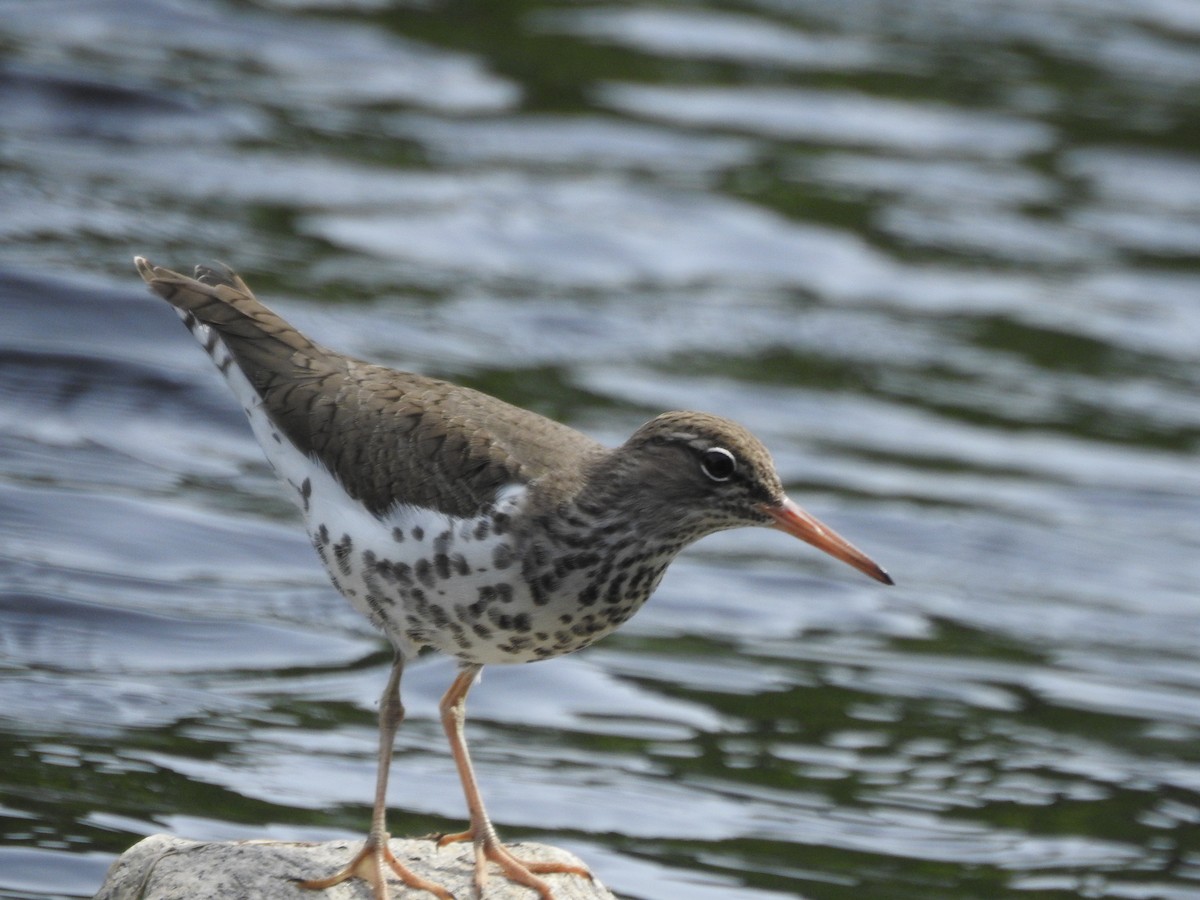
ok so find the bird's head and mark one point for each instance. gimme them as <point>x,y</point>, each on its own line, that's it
<point>689,474</point>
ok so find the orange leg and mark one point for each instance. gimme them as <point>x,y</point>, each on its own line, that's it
<point>370,862</point>
<point>481,832</point>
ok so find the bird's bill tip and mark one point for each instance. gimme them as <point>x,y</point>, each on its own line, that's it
<point>791,519</point>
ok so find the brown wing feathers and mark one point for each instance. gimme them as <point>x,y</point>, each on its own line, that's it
<point>389,437</point>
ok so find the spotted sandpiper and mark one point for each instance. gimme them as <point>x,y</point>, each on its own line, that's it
<point>456,521</point>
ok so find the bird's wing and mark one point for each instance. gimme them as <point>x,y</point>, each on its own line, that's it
<point>389,437</point>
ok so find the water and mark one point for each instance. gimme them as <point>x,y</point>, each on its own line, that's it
<point>942,256</point>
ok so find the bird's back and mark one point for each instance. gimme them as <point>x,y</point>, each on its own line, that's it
<point>388,437</point>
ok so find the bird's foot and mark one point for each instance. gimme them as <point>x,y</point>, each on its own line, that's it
<point>489,849</point>
<point>368,864</point>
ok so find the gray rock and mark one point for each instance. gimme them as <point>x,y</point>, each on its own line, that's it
<point>169,868</point>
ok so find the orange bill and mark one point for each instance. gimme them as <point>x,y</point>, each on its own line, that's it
<point>792,519</point>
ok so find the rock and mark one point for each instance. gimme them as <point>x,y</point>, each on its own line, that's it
<point>162,867</point>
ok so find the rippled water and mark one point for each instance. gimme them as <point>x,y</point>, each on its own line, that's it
<point>944,257</point>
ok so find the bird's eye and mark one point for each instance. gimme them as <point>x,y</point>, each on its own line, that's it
<point>718,464</point>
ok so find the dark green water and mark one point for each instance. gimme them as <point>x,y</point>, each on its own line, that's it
<point>944,257</point>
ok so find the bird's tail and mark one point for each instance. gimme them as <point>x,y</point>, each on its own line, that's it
<point>233,325</point>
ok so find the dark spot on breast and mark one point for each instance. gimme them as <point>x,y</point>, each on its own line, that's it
<point>306,492</point>
<point>574,562</point>
<point>589,594</point>
<point>394,572</point>
<point>424,572</point>
<point>641,578</point>
<point>459,635</point>
<point>618,614</point>
<point>341,550</point>
<point>502,556</point>
<point>615,590</point>
<point>537,594</point>
<point>575,539</point>
<point>584,625</point>
<point>483,529</point>
<point>441,565</point>
<point>375,602</point>
<point>418,533</point>
<point>460,565</point>
<point>398,535</point>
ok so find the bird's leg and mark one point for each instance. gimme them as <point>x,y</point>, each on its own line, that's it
<point>370,861</point>
<point>481,832</point>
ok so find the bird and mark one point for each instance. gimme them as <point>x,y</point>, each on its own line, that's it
<point>456,521</point>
